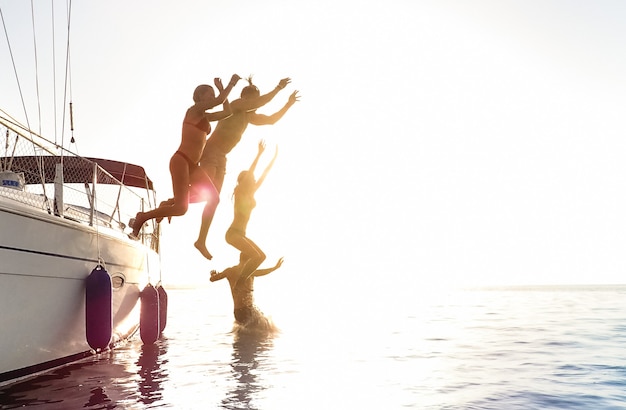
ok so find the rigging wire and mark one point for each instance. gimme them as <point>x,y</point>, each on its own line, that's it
<point>32,14</point>
<point>68,82</point>
<point>54,77</point>
<point>19,86</point>
<point>41,172</point>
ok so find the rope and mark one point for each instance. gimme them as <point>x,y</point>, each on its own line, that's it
<point>148,266</point>
<point>94,201</point>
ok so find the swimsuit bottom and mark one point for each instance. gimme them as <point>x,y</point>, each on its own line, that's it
<point>212,156</point>
<point>191,164</point>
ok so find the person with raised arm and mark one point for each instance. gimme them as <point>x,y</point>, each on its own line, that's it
<point>227,134</point>
<point>184,166</point>
<point>244,309</point>
<point>244,204</point>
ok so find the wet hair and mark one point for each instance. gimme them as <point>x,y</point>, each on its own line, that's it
<point>250,90</point>
<point>199,92</point>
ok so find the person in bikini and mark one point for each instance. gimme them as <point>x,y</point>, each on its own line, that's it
<point>184,163</point>
<point>226,136</point>
<point>244,310</point>
<point>244,204</point>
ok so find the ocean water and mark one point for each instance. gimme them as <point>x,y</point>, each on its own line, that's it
<point>487,348</point>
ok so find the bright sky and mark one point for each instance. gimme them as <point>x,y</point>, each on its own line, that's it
<point>435,141</point>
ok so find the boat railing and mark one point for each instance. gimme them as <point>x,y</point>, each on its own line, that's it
<point>84,190</point>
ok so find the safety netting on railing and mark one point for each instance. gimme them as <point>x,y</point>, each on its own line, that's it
<point>92,191</point>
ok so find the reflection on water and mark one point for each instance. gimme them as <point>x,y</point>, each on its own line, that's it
<point>28,393</point>
<point>150,371</point>
<point>481,349</point>
<point>248,349</point>
<point>98,397</point>
<point>133,373</point>
<point>199,363</point>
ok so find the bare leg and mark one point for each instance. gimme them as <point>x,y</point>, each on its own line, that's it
<point>169,202</point>
<point>251,265</point>
<point>175,209</point>
<point>207,218</point>
<point>251,251</point>
<point>179,169</point>
<point>216,177</point>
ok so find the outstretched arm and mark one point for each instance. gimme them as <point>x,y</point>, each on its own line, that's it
<point>258,155</point>
<point>263,272</point>
<point>262,119</point>
<point>232,271</point>
<point>219,115</point>
<point>215,276</point>
<point>251,104</point>
<point>267,169</point>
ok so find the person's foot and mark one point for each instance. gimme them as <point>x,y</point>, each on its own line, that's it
<point>135,226</point>
<point>169,202</point>
<point>203,250</point>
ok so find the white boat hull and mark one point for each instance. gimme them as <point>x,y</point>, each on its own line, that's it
<point>44,263</point>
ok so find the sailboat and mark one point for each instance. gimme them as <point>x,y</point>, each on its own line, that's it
<point>72,282</point>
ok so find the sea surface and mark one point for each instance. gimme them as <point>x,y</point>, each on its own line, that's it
<point>544,347</point>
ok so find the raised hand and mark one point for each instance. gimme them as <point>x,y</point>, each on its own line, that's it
<point>261,147</point>
<point>294,97</point>
<point>234,79</point>
<point>283,83</point>
<point>218,84</point>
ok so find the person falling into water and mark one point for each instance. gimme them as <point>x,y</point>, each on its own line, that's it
<point>241,277</point>
<point>184,163</point>
<point>244,310</point>
<point>226,136</point>
<point>244,204</point>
